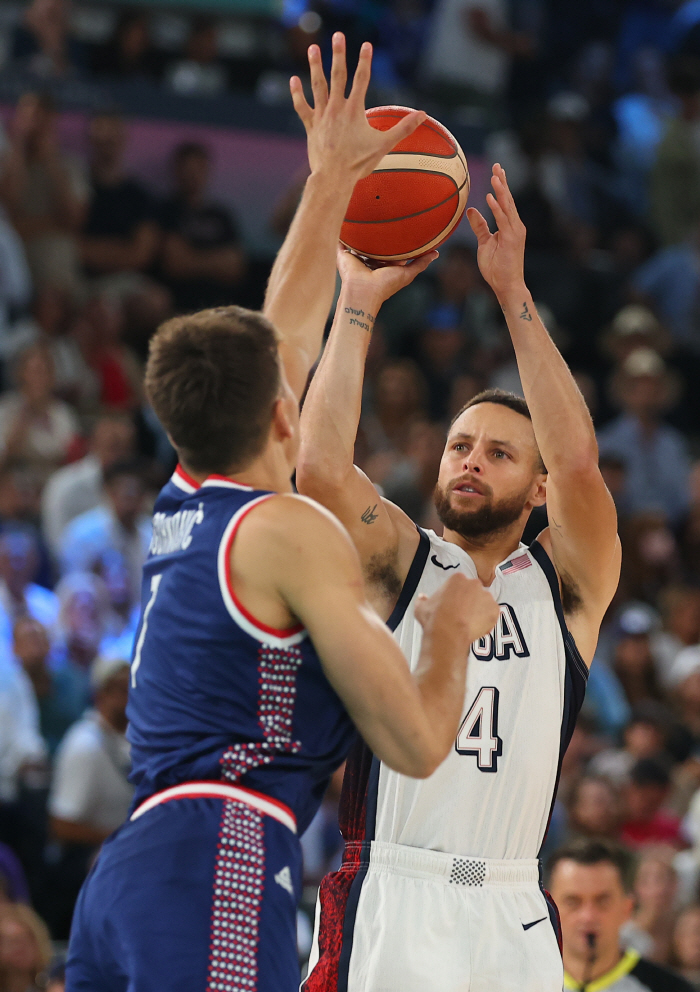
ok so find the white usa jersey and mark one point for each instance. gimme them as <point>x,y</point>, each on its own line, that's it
<point>493,795</point>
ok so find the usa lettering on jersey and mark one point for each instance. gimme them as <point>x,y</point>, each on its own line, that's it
<point>505,639</point>
<point>174,532</point>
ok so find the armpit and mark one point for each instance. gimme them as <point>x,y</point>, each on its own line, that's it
<point>571,599</point>
<point>381,571</point>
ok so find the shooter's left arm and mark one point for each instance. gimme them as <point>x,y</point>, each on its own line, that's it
<point>583,521</point>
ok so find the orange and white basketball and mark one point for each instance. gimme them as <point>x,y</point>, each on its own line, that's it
<point>414,199</point>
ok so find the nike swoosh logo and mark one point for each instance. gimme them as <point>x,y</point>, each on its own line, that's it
<point>526,926</point>
<point>440,565</point>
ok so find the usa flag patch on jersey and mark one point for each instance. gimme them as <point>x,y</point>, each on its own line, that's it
<point>516,564</point>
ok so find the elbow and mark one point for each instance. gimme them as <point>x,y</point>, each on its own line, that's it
<point>423,762</point>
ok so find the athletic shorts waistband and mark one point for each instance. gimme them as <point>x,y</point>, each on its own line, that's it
<point>452,869</point>
<point>220,790</point>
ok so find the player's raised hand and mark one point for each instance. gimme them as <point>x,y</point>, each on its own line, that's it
<point>341,141</point>
<point>460,608</point>
<point>378,284</point>
<point>500,255</point>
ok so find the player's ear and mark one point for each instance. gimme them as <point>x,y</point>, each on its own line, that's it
<point>282,427</point>
<point>540,495</point>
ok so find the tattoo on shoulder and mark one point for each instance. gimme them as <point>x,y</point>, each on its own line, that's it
<point>525,315</point>
<point>369,516</point>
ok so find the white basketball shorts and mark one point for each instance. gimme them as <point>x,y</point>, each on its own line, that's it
<point>432,922</point>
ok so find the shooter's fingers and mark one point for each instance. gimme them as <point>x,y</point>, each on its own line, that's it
<point>362,74</point>
<point>407,125</point>
<point>301,106</point>
<point>499,214</point>
<point>339,71</point>
<point>319,85</point>
<point>478,225</point>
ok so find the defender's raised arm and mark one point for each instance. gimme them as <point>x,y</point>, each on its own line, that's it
<point>343,147</point>
<point>583,523</point>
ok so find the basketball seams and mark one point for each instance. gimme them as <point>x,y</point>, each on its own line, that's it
<point>433,206</point>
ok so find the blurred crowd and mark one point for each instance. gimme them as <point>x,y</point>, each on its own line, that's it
<point>595,114</point>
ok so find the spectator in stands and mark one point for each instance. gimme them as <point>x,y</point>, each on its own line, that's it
<point>129,53</point>
<point>90,794</point>
<point>44,192</point>
<point>650,927</point>
<point>591,883</point>
<point>118,526</point>
<point>644,736</point>
<point>43,43</point>
<point>15,283</point>
<point>685,955</point>
<point>120,237</point>
<point>25,949</point>
<point>680,609</point>
<point>654,453</point>
<point>675,180</point>
<point>83,620</point>
<point>632,661</point>
<point>77,487</point>
<point>21,744</point>
<point>61,693</point>
<point>200,72</point>
<point>13,881</point>
<point>203,261</point>
<point>35,427</point>
<point>116,372</point>
<point>594,808</point>
<point>646,821</point>
<point>19,594</point>
<point>685,684</point>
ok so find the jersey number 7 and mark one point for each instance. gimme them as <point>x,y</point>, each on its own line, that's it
<point>478,734</point>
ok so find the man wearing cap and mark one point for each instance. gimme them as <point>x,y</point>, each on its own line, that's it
<point>655,455</point>
<point>91,795</point>
<point>591,882</point>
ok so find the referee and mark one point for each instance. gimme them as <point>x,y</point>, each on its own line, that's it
<point>590,882</point>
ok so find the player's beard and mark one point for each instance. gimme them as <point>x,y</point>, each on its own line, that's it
<point>491,518</point>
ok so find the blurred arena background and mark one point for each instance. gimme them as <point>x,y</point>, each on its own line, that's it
<point>150,163</point>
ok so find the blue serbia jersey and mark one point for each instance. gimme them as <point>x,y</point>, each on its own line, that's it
<point>215,694</point>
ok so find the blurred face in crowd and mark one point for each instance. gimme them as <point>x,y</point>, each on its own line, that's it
<point>458,275</point>
<point>133,38</point>
<point>31,643</point>
<point>684,616</point>
<point>398,391</point>
<point>112,698</point>
<point>84,625</point>
<point>644,395</point>
<point>191,175</point>
<point>126,493</point>
<point>490,473</point>
<point>595,810</point>
<point>35,376</point>
<point>107,141</point>
<point>643,740</point>
<point>686,938</point>
<point>113,440</point>
<point>201,46</point>
<point>35,117</point>
<point>18,562</point>
<point>18,949</point>
<point>644,801</point>
<point>591,900</point>
<point>633,655</point>
<point>689,694</point>
<point>655,884</point>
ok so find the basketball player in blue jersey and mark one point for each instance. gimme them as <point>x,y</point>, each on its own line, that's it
<point>256,647</point>
<point>440,886</point>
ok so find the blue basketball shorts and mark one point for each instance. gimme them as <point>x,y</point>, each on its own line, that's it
<point>198,894</point>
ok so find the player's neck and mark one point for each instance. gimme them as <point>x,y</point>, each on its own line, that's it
<point>269,472</point>
<point>489,551</point>
<point>581,969</point>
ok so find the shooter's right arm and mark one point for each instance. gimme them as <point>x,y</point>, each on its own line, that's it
<point>331,413</point>
<point>292,556</point>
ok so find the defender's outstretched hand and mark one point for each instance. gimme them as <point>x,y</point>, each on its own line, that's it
<point>341,141</point>
<point>500,255</point>
<point>374,286</point>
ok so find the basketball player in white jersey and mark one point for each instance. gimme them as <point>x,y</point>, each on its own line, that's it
<point>440,887</point>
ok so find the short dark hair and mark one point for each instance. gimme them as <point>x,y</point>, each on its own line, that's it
<point>188,149</point>
<point>501,398</point>
<point>133,467</point>
<point>650,771</point>
<point>596,852</point>
<point>213,378</point>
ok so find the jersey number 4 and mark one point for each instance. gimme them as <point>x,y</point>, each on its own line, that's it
<point>478,734</point>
